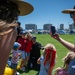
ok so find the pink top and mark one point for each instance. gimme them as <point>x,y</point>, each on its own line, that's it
<point>62,72</point>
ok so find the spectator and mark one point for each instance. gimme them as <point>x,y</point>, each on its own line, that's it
<point>67,44</point>
<point>67,59</point>
<point>23,43</point>
<point>9,12</point>
<point>47,60</point>
<point>28,47</point>
<point>15,57</point>
<point>34,54</point>
<point>19,29</point>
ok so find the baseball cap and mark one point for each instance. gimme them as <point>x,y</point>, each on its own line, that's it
<point>16,45</point>
<point>23,32</point>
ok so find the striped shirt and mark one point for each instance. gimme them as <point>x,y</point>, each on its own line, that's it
<point>15,57</point>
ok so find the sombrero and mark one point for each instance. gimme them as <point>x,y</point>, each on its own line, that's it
<point>24,7</point>
<point>68,11</point>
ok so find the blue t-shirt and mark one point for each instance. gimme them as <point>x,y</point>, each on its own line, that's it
<point>71,68</point>
<point>43,69</point>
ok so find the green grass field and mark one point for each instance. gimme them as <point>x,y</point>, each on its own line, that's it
<point>61,50</point>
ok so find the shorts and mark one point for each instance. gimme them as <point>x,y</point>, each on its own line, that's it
<point>23,54</point>
<point>13,66</point>
<point>27,54</point>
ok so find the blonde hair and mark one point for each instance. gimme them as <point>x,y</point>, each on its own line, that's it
<point>68,58</point>
<point>50,46</point>
<point>6,28</point>
<point>29,36</point>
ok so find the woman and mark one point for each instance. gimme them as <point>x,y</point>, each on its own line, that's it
<point>9,12</point>
<point>67,44</point>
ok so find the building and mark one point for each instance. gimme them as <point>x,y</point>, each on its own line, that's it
<point>32,27</point>
<point>71,27</point>
<point>46,26</point>
<point>61,26</point>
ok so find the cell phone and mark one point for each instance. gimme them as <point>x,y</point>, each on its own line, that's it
<point>52,30</point>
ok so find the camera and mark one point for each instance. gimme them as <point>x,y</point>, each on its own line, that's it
<point>52,30</point>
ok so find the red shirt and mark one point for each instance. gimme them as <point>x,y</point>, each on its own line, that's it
<point>28,46</point>
<point>23,42</point>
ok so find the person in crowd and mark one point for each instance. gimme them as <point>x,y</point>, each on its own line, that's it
<point>15,57</point>
<point>19,29</point>
<point>68,45</point>
<point>47,60</point>
<point>67,59</point>
<point>8,24</point>
<point>35,53</point>
<point>23,43</point>
<point>28,47</point>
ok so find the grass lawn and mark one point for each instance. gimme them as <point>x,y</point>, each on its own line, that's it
<point>61,50</point>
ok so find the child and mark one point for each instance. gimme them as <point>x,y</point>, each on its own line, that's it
<point>15,57</point>
<point>28,47</point>
<point>67,59</point>
<point>47,60</point>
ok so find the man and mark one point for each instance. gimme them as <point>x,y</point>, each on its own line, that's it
<point>9,12</point>
<point>19,29</point>
<point>67,44</point>
<point>34,54</point>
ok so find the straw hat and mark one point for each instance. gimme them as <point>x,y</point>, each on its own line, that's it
<point>24,7</point>
<point>68,11</point>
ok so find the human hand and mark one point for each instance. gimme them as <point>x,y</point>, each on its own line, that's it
<point>56,36</point>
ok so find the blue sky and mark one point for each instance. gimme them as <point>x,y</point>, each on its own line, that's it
<point>48,11</point>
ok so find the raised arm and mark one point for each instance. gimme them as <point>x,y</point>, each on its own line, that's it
<point>65,43</point>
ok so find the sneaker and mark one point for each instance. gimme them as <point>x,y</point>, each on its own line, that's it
<point>17,73</point>
<point>23,69</point>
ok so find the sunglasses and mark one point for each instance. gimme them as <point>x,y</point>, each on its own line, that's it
<point>71,14</point>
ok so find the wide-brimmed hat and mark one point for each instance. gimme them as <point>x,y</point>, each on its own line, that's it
<point>24,7</point>
<point>68,11</point>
